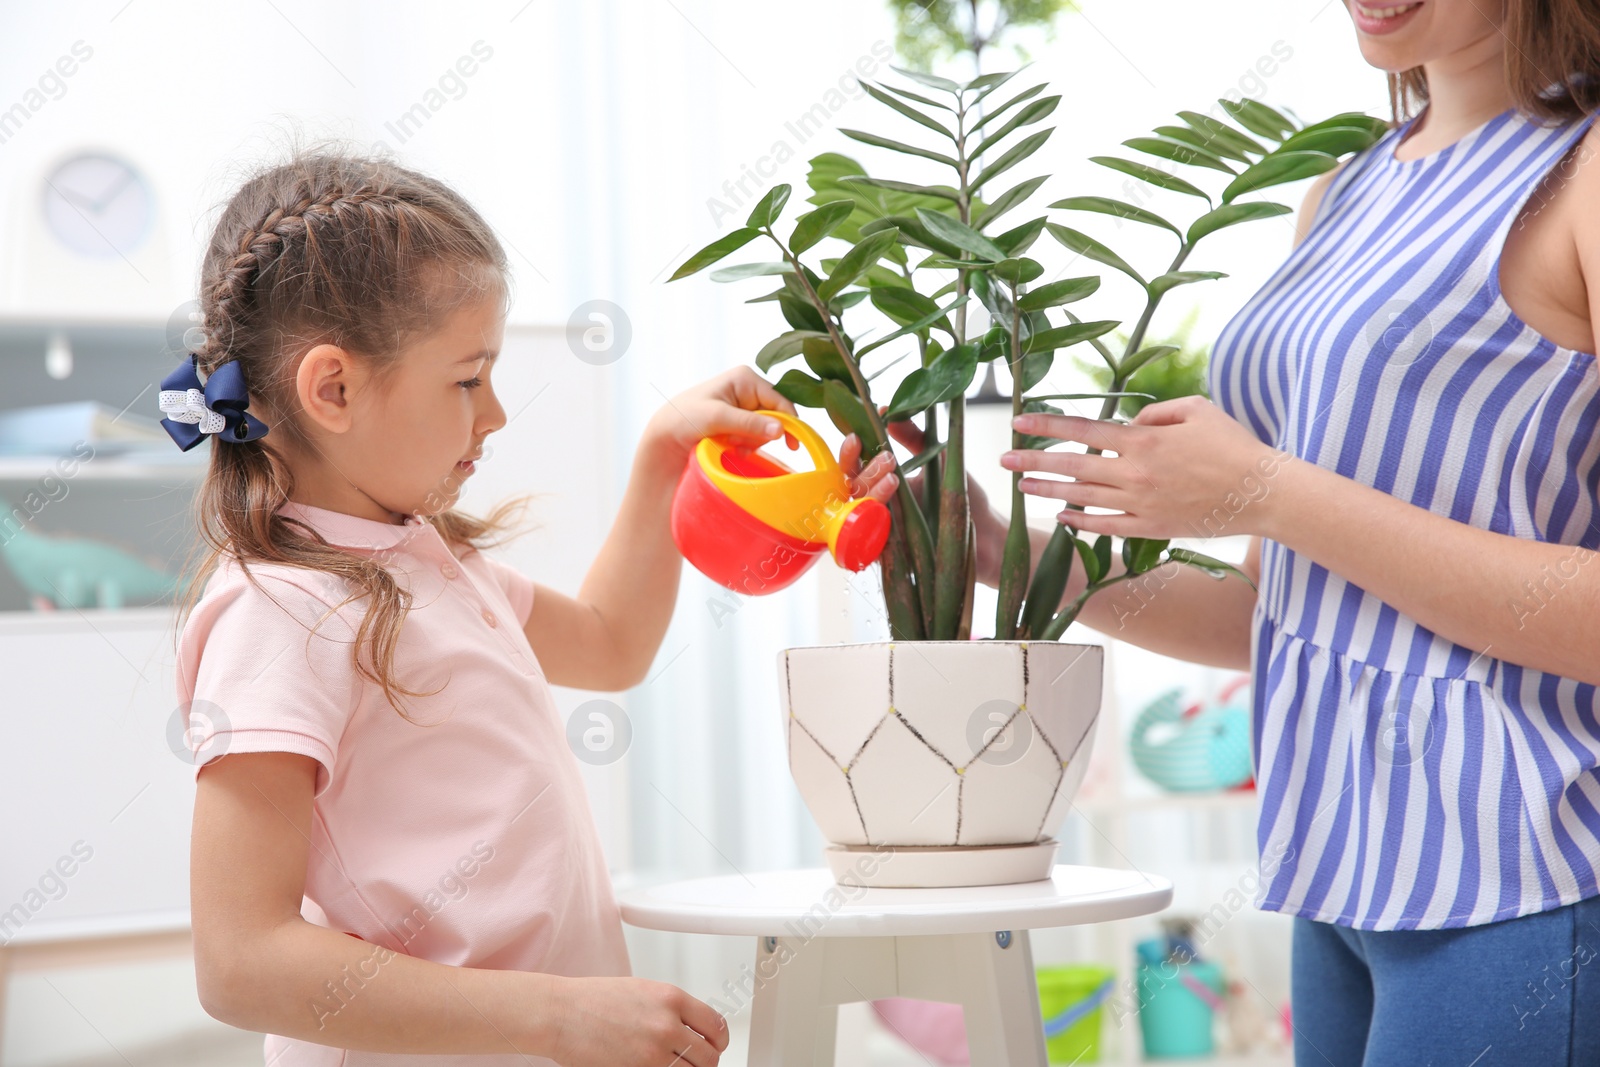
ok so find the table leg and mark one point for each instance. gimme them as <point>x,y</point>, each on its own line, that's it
<point>790,1026</point>
<point>992,977</point>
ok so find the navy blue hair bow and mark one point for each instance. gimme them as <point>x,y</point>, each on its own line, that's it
<point>217,407</point>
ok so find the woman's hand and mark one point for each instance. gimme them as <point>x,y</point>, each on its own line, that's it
<point>1182,468</point>
<point>879,480</point>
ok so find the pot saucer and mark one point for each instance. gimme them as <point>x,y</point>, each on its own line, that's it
<point>926,867</point>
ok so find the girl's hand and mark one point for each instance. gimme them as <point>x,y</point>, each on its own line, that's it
<point>878,480</point>
<point>1178,465</point>
<point>726,404</point>
<point>631,1022</point>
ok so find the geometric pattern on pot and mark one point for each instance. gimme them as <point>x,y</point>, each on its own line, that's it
<point>940,743</point>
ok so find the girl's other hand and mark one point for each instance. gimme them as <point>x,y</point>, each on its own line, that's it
<point>611,1022</point>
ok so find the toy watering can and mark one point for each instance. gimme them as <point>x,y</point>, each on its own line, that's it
<point>746,520</point>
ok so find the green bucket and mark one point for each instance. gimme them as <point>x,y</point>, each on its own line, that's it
<point>1070,999</point>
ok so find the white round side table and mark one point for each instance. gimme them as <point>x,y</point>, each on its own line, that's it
<point>820,944</point>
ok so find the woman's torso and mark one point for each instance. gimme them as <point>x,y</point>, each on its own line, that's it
<point>1415,782</point>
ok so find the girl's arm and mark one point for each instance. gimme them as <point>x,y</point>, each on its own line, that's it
<point>608,636</point>
<point>261,966</point>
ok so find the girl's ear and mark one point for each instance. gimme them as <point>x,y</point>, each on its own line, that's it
<point>325,383</point>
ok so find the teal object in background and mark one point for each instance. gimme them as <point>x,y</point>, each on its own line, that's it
<point>1177,1003</point>
<point>72,572</point>
<point>1202,749</point>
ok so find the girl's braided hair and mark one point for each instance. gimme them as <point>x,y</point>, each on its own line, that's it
<point>346,249</point>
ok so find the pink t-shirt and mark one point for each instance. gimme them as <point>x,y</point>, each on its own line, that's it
<point>464,837</point>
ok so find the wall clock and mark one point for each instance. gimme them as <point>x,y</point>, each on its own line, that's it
<point>98,205</point>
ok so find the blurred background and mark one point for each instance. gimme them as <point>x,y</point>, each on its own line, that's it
<point>604,141</point>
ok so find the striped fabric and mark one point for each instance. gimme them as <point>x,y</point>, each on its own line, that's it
<point>1410,782</point>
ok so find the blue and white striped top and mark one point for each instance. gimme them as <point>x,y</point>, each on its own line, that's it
<point>1410,782</point>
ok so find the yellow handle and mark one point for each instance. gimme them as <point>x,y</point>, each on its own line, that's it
<point>803,504</point>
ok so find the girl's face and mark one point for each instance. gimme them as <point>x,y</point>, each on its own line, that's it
<point>1396,36</point>
<point>411,436</point>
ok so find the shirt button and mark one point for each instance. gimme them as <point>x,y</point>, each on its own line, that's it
<point>488,617</point>
<point>449,570</point>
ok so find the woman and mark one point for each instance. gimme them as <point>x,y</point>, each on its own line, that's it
<point>1419,378</point>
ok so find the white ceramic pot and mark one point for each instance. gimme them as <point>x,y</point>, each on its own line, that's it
<point>960,756</point>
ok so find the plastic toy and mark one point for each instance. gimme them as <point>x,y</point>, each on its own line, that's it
<point>74,572</point>
<point>1205,746</point>
<point>746,520</point>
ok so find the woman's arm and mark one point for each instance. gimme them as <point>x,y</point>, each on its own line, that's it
<point>1177,611</point>
<point>261,966</point>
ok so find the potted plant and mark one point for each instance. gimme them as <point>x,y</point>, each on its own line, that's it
<point>962,754</point>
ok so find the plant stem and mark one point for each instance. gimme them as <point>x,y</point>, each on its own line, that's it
<point>910,522</point>
<point>1016,557</point>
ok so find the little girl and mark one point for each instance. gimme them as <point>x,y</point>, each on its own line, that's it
<point>392,849</point>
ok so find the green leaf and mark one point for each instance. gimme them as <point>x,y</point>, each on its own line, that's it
<point>946,376</point>
<point>1035,111</point>
<point>990,82</point>
<point>1146,173</point>
<point>1212,146</point>
<point>824,359</point>
<point>1089,248</point>
<point>1172,279</point>
<point>1089,396</point>
<point>844,408</point>
<point>1012,156</point>
<point>962,236</point>
<point>801,314</point>
<point>784,346</point>
<point>1214,567</point>
<point>847,300</point>
<point>932,318</point>
<point>1102,553</point>
<point>1062,336</point>
<point>1139,554</point>
<point>826,178</point>
<point>932,81</point>
<point>905,469</point>
<point>722,246</point>
<point>1178,153</point>
<point>1008,200</point>
<point>1375,126</point>
<point>1092,567</point>
<point>906,306</point>
<point>1219,132</point>
<point>770,206</point>
<point>1017,270</point>
<point>1107,206</point>
<point>907,110</point>
<point>1334,140</point>
<point>1229,214</point>
<point>941,191</point>
<point>750,270</point>
<point>1026,94</point>
<point>912,232</point>
<point>854,263</point>
<point>1278,168</point>
<point>813,226</point>
<point>1148,354</point>
<point>1019,239</point>
<point>1258,118</point>
<point>801,388</point>
<point>898,146</point>
<point>909,95</point>
<point>1065,291</point>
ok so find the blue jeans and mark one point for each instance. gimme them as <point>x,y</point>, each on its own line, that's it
<point>1522,992</point>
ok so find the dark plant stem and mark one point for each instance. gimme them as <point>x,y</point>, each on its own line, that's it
<point>1015,559</point>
